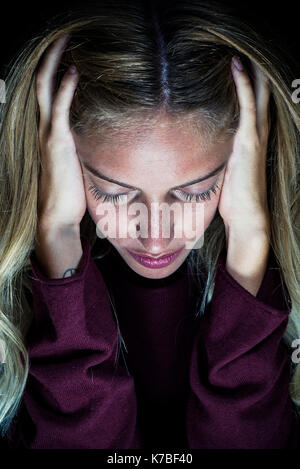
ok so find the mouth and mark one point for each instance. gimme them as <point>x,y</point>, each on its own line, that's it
<point>155,262</point>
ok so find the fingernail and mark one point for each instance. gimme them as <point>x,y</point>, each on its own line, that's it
<point>237,63</point>
<point>72,69</point>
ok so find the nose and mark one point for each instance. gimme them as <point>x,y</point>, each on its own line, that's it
<point>155,229</point>
<point>154,247</point>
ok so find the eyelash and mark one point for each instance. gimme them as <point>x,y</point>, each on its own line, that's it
<point>116,198</point>
<point>98,195</point>
<point>202,196</point>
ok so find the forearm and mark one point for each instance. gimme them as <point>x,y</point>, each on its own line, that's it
<point>240,371</point>
<point>58,250</point>
<point>247,258</point>
<point>77,395</point>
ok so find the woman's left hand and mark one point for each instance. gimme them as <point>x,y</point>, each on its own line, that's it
<point>243,199</point>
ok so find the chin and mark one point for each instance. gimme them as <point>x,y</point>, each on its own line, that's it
<point>154,273</point>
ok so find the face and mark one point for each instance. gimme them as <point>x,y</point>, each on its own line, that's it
<point>155,193</point>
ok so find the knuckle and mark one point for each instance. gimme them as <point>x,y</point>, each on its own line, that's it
<point>59,121</point>
<point>57,143</point>
<point>39,86</point>
<point>58,110</point>
<point>40,75</point>
<point>64,85</point>
<point>49,144</point>
<point>58,133</point>
<point>53,144</point>
<point>250,139</point>
<point>60,103</point>
<point>250,107</point>
<point>245,82</point>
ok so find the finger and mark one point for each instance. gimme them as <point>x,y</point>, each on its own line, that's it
<point>62,102</point>
<point>262,93</point>
<point>246,97</point>
<point>46,79</point>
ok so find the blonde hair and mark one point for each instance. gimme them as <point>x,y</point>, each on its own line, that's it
<point>135,61</point>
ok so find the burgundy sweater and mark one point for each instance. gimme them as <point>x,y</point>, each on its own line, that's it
<point>218,380</point>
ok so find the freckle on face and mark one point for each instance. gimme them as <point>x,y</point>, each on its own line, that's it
<point>166,156</point>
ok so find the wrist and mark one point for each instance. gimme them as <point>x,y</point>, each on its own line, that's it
<point>58,250</point>
<point>247,258</point>
<point>248,249</point>
<point>258,226</point>
<point>52,231</point>
<point>247,234</point>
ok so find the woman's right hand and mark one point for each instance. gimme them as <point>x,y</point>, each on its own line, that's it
<point>61,199</point>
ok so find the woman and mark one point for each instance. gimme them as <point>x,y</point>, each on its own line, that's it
<point>179,106</point>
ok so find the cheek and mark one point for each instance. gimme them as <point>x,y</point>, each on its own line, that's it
<point>108,218</point>
<point>199,217</point>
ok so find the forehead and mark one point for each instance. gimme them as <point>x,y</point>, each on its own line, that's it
<point>163,147</point>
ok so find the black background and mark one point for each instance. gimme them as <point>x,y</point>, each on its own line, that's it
<point>22,21</point>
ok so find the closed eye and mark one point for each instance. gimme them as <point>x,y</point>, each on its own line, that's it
<point>118,199</point>
<point>206,195</point>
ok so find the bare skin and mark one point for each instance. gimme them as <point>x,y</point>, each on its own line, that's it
<point>240,198</point>
<point>159,153</point>
<point>60,206</point>
<point>246,216</point>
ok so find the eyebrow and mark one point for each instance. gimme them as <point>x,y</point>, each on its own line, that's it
<point>100,175</point>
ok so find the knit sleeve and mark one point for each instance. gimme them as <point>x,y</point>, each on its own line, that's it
<point>77,393</point>
<point>240,369</point>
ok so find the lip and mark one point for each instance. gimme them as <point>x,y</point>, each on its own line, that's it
<point>155,263</point>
